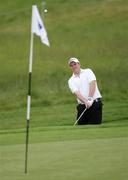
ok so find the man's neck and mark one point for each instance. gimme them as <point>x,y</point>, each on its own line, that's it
<point>77,73</point>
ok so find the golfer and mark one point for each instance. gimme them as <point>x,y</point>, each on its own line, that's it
<point>83,85</point>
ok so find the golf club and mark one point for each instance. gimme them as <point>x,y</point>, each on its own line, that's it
<point>80,117</point>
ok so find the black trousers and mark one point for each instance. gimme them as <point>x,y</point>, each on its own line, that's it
<point>93,115</point>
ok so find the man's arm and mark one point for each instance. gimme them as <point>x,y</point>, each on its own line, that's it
<point>82,99</point>
<point>87,102</point>
<point>92,87</point>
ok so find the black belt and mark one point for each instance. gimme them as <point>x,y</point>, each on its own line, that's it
<point>97,99</point>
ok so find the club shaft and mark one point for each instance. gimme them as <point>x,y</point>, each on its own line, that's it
<point>80,117</point>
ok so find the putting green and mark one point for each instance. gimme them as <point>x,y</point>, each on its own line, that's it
<point>99,158</point>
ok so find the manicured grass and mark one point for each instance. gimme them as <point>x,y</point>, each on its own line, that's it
<point>59,150</point>
<point>75,158</point>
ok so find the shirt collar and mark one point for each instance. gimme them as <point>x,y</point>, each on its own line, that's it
<point>78,75</point>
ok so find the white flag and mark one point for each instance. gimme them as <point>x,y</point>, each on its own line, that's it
<point>37,26</point>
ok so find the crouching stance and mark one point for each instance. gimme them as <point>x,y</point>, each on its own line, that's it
<point>84,86</point>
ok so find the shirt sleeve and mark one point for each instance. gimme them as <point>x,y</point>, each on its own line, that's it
<point>91,76</point>
<point>72,86</point>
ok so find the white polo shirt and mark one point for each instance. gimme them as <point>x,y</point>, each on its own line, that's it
<point>81,83</point>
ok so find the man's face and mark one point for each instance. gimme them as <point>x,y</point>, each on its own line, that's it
<point>75,67</point>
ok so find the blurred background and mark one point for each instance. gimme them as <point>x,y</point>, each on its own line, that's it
<point>96,32</point>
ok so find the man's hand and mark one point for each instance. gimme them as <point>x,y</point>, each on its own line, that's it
<point>89,102</point>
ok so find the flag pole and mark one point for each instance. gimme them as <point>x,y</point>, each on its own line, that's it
<point>29,100</point>
<point>38,28</point>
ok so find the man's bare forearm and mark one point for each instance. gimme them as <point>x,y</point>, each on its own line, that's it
<point>80,97</point>
<point>92,87</point>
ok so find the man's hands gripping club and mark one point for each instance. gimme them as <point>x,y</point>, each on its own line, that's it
<point>88,102</point>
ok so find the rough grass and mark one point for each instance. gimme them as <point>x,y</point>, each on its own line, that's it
<point>95,32</point>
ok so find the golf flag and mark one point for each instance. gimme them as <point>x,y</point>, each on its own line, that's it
<point>37,26</point>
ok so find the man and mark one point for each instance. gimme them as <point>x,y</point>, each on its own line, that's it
<point>83,85</point>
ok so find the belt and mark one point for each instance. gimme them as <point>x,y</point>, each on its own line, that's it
<point>97,99</point>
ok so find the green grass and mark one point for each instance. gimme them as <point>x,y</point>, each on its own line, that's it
<point>95,31</point>
<point>59,150</point>
<point>114,113</point>
<point>68,153</point>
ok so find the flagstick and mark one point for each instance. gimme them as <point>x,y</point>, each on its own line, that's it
<point>29,101</point>
<point>38,28</point>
